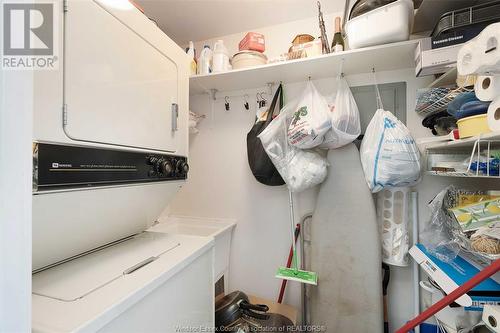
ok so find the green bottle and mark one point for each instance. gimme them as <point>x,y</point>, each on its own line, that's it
<point>338,41</point>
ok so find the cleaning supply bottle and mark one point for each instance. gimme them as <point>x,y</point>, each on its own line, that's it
<point>205,61</point>
<point>220,62</point>
<point>192,61</point>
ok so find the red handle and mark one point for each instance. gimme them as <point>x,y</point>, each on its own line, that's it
<point>474,281</point>
<point>288,264</point>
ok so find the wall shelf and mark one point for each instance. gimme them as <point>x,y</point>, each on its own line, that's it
<point>459,174</point>
<point>382,57</point>
<point>459,158</point>
<point>462,143</point>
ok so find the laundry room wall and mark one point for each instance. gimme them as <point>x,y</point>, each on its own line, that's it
<point>221,185</point>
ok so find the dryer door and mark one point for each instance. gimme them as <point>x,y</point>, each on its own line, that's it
<point>119,88</point>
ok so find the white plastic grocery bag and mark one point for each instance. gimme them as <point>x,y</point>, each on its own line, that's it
<point>311,119</point>
<point>389,154</point>
<point>300,169</point>
<point>344,117</point>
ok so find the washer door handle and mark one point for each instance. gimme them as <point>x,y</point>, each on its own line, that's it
<point>175,115</point>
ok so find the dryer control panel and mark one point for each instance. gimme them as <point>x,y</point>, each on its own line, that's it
<point>61,166</point>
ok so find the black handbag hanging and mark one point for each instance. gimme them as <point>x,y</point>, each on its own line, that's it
<point>262,168</point>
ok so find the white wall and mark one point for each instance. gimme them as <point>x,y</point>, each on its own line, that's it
<point>16,90</point>
<point>278,37</point>
<point>221,185</point>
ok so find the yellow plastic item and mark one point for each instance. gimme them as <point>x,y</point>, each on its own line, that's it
<point>472,126</point>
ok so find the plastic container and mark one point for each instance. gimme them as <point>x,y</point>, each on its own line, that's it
<point>253,41</point>
<point>245,59</point>
<point>364,6</point>
<point>387,24</point>
<point>472,126</point>
<point>205,61</point>
<point>192,61</point>
<point>472,108</point>
<point>220,59</point>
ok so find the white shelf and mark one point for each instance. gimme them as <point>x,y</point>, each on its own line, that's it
<point>382,57</point>
<point>458,174</point>
<point>468,142</point>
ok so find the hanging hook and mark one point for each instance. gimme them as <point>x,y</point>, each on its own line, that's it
<point>212,93</point>
<point>226,104</point>
<point>270,86</point>
<point>259,100</point>
<point>245,104</point>
<point>341,68</point>
<point>263,100</point>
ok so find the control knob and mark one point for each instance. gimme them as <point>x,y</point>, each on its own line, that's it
<point>165,167</point>
<point>182,167</point>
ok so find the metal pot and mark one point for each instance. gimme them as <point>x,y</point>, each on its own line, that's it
<point>232,307</point>
<point>275,323</point>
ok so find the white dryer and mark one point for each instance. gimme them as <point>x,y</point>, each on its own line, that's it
<point>110,151</point>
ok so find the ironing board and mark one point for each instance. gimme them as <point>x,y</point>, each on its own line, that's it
<point>345,250</point>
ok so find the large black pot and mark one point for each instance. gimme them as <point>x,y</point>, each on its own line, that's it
<point>275,323</point>
<point>232,307</point>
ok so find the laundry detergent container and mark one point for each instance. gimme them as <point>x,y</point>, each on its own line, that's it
<point>373,22</point>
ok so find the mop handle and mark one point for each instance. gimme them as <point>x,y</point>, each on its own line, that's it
<point>450,298</point>
<point>292,233</point>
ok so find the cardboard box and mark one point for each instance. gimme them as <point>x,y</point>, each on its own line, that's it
<point>449,276</point>
<point>430,61</point>
<point>311,49</point>
<point>458,36</point>
<point>253,41</point>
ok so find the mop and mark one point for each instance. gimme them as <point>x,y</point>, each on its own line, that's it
<point>294,273</point>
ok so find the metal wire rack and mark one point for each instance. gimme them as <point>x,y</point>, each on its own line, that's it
<point>476,154</point>
<point>436,99</point>
<point>481,156</point>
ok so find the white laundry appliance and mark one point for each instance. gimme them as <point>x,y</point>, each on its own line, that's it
<point>110,151</point>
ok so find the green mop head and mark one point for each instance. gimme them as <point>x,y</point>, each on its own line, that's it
<point>293,274</point>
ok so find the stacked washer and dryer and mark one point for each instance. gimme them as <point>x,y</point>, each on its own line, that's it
<point>109,152</point>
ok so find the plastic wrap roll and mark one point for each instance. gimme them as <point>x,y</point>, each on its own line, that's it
<point>487,88</point>
<point>494,115</point>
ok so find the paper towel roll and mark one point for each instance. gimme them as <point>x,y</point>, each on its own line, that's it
<point>487,44</point>
<point>466,58</point>
<point>481,55</point>
<point>487,88</point>
<point>491,317</point>
<point>494,115</point>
